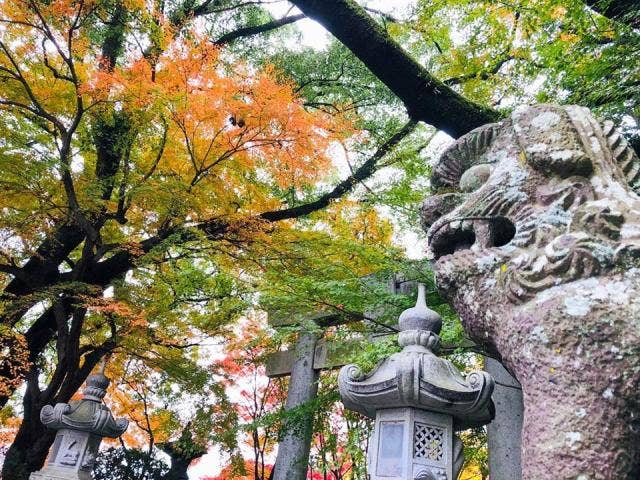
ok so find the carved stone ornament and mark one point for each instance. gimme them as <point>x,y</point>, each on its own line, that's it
<point>534,234</point>
<point>88,415</point>
<point>418,400</point>
<point>81,426</point>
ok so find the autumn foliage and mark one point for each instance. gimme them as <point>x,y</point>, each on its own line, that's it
<point>207,138</point>
<point>144,172</point>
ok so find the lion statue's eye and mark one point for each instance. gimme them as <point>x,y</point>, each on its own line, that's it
<point>475,177</point>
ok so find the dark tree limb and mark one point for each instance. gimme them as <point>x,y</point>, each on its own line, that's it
<point>256,29</point>
<point>426,98</point>
<point>625,11</point>
<point>104,272</point>
<point>42,267</point>
<point>367,169</point>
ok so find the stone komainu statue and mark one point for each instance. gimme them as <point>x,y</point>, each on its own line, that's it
<point>534,230</point>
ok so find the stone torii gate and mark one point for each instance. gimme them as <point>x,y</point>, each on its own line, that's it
<point>312,354</point>
<point>304,363</point>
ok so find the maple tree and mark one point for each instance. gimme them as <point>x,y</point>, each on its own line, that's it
<point>140,156</point>
<point>260,400</point>
<point>339,443</point>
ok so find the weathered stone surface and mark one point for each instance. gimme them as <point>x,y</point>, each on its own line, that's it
<point>541,262</point>
<point>293,449</point>
<point>417,400</point>
<point>504,434</point>
<point>81,425</point>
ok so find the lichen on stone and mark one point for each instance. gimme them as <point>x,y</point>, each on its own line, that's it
<point>546,276</point>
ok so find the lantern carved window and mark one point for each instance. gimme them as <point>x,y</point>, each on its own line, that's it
<point>428,442</point>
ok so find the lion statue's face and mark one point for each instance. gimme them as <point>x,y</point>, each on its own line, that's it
<point>534,232</point>
<point>540,199</point>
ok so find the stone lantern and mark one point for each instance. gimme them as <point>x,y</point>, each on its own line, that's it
<point>418,401</point>
<point>81,426</point>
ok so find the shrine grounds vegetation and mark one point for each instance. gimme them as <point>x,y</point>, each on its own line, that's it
<point>169,170</point>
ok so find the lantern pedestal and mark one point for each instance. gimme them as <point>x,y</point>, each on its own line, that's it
<point>413,443</point>
<point>71,458</point>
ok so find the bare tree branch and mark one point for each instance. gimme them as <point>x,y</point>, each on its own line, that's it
<point>367,169</point>
<point>257,29</point>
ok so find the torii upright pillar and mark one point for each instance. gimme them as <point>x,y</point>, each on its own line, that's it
<point>293,449</point>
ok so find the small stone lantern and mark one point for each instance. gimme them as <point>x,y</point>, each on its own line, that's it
<point>81,426</point>
<point>418,401</point>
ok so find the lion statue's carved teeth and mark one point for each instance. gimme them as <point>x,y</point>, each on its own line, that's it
<point>475,233</point>
<point>534,235</point>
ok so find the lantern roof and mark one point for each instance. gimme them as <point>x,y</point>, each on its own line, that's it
<point>416,377</point>
<point>88,414</point>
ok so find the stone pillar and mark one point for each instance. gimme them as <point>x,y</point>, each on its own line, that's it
<point>505,432</point>
<point>293,450</point>
<point>81,426</point>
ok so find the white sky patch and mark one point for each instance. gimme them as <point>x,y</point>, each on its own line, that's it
<point>340,160</point>
<point>415,247</point>
<point>314,35</point>
<point>208,465</point>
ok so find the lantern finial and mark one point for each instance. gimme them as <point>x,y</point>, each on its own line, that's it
<point>420,317</point>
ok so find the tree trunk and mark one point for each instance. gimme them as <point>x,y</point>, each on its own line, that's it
<point>30,447</point>
<point>179,467</point>
<point>181,452</point>
<point>28,452</point>
<point>427,99</point>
